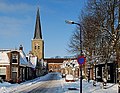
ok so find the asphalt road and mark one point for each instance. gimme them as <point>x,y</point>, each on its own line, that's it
<point>51,85</point>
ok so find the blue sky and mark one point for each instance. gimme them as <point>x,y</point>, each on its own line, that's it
<point>17,23</point>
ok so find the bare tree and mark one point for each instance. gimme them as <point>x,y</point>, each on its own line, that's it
<point>101,27</point>
<point>74,44</point>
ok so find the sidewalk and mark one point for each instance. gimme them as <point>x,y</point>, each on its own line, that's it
<point>73,87</point>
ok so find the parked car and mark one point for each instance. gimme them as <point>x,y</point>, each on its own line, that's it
<point>69,78</point>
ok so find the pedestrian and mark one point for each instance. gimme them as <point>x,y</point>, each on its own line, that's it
<point>104,81</point>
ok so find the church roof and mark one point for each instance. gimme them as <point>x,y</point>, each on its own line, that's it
<point>38,32</point>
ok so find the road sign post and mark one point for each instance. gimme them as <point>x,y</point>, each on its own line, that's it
<point>81,60</point>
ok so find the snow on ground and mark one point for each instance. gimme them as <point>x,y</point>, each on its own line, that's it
<point>9,88</point>
<point>87,87</point>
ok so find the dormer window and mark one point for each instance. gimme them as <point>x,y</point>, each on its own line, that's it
<point>14,58</point>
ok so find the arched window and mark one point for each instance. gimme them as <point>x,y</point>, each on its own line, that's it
<point>54,67</point>
<point>50,67</point>
<point>38,47</point>
<point>35,47</point>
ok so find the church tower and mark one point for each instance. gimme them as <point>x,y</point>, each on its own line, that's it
<point>37,42</point>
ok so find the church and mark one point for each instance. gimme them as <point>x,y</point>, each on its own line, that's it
<point>37,41</point>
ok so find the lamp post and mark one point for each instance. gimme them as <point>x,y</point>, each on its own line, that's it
<point>72,22</point>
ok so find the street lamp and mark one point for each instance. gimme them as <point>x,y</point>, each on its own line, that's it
<point>72,22</point>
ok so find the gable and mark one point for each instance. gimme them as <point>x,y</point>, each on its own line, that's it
<point>4,59</point>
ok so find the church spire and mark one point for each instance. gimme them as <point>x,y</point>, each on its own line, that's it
<point>37,34</point>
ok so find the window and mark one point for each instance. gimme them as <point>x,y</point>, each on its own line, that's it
<point>14,73</point>
<point>2,70</point>
<point>14,58</point>
<point>38,47</point>
<point>50,67</point>
<point>54,67</point>
<point>35,47</point>
<point>14,69</point>
<point>109,76</point>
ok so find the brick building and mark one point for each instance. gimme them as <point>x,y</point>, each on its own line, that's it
<point>14,66</point>
<point>54,64</point>
<point>64,66</point>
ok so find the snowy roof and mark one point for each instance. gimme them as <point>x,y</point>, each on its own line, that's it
<point>23,60</point>
<point>4,60</point>
<point>70,63</point>
<point>33,60</point>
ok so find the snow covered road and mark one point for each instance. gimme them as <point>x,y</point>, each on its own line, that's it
<point>54,83</point>
<point>48,86</point>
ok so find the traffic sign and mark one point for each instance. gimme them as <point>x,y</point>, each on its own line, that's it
<point>81,60</point>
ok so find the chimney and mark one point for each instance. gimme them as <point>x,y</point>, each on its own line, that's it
<point>21,47</point>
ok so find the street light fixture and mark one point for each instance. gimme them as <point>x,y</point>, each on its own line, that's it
<point>72,22</point>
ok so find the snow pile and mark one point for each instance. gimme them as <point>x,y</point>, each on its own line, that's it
<point>87,87</point>
<point>8,87</point>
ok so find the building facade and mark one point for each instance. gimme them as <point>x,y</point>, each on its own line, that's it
<point>14,66</point>
<point>53,64</point>
<point>65,66</point>
<point>112,73</point>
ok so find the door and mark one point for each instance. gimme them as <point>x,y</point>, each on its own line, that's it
<point>14,76</point>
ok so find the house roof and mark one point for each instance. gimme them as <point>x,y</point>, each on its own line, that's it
<point>33,60</point>
<point>57,60</point>
<point>23,60</point>
<point>70,63</point>
<point>4,60</point>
